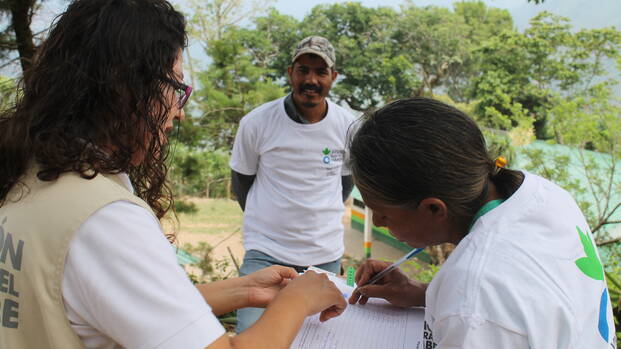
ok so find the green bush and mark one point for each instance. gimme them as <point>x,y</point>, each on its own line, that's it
<point>188,207</point>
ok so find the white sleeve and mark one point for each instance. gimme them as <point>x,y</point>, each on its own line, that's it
<point>245,156</point>
<point>122,284</point>
<point>469,332</point>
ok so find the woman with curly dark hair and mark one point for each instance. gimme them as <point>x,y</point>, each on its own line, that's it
<point>83,258</point>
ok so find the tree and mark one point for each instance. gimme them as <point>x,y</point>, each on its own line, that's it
<point>481,24</point>
<point>18,35</point>
<point>232,86</point>
<point>384,55</point>
<point>272,42</point>
<point>199,173</point>
<point>434,40</point>
<point>211,18</point>
<point>522,72</point>
<point>590,167</point>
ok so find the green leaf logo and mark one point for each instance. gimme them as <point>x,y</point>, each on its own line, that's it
<point>326,151</point>
<point>589,265</point>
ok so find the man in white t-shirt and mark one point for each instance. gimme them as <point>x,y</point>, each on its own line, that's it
<point>289,172</point>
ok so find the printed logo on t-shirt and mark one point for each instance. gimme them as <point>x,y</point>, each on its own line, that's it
<point>592,267</point>
<point>428,342</point>
<point>333,160</point>
<point>326,156</point>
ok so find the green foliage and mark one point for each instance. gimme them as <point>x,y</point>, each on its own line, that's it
<point>435,40</point>
<point>187,207</point>
<point>523,74</point>
<point>8,93</point>
<point>209,267</point>
<point>199,171</point>
<point>590,120</point>
<point>233,85</point>
<point>382,54</point>
<point>591,124</point>
<point>423,272</point>
<point>499,144</point>
<point>481,24</point>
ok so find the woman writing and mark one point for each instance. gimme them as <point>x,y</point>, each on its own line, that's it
<point>524,273</point>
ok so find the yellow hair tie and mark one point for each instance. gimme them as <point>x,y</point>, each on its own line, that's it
<point>501,162</point>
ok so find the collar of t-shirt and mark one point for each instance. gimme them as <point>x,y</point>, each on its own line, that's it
<point>292,111</point>
<point>490,205</point>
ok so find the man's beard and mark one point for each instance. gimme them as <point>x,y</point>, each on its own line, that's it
<point>310,87</point>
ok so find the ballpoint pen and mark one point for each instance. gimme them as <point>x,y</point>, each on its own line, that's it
<point>392,267</point>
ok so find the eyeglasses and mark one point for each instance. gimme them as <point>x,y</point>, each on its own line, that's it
<point>183,91</point>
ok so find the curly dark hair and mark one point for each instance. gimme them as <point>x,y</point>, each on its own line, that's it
<point>94,98</point>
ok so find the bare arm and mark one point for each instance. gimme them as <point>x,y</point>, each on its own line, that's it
<point>255,290</point>
<point>305,295</point>
<point>226,295</point>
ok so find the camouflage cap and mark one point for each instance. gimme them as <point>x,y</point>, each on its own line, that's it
<point>317,45</point>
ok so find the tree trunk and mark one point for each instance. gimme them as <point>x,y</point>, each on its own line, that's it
<point>207,191</point>
<point>21,16</point>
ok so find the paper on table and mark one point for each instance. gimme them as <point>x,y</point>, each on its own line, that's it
<point>374,325</point>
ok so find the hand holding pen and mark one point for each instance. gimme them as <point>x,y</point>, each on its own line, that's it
<point>384,280</point>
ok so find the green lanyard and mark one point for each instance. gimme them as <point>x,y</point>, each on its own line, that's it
<point>490,205</point>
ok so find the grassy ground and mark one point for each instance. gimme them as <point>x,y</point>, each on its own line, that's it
<point>214,216</point>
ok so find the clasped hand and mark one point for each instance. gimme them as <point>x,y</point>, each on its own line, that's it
<point>312,290</point>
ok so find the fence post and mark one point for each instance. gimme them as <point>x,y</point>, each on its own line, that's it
<point>368,228</point>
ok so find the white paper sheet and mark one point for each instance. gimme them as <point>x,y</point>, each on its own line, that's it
<point>374,325</point>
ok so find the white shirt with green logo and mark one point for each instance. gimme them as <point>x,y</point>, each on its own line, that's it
<point>527,276</point>
<point>294,208</point>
